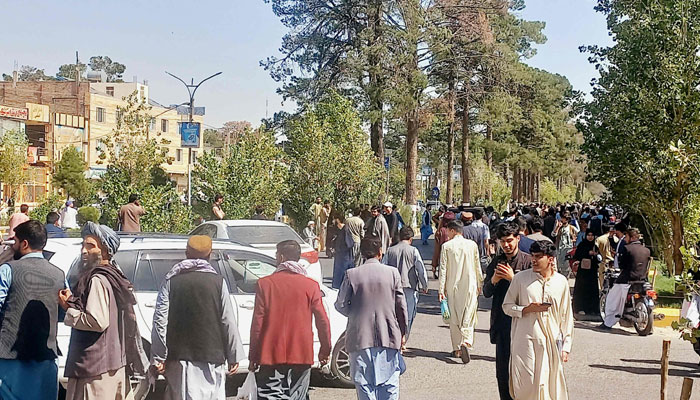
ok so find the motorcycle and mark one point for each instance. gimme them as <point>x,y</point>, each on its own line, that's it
<point>639,305</point>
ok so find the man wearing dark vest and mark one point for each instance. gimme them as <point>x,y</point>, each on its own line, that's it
<point>105,336</point>
<point>29,289</point>
<point>194,328</point>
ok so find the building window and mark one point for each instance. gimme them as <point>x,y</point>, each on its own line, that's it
<point>100,145</point>
<point>153,124</point>
<point>100,114</point>
<point>142,93</point>
<point>194,156</point>
<point>178,155</point>
<point>163,125</point>
<point>120,114</point>
<point>110,91</point>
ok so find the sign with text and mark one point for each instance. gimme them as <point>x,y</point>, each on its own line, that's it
<point>14,112</point>
<point>189,134</point>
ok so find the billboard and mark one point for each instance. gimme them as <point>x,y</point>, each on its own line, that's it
<point>189,134</point>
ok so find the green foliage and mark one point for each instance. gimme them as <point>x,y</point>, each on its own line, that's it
<point>112,69</point>
<point>69,175</point>
<point>28,73</point>
<point>251,173</point>
<point>212,138</point>
<point>52,202</point>
<point>646,106</point>
<point>88,213</point>
<point>13,157</point>
<point>71,71</point>
<point>135,166</point>
<point>329,157</point>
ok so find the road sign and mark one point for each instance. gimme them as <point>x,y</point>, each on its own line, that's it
<point>436,193</point>
<point>189,134</point>
<point>386,162</point>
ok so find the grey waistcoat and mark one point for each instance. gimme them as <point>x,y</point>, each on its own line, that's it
<point>30,314</point>
<point>94,353</point>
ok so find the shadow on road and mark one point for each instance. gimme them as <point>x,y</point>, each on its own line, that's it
<point>594,327</point>
<point>648,370</point>
<point>438,355</point>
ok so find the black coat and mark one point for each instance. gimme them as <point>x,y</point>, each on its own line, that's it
<point>500,322</point>
<point>634,263</point>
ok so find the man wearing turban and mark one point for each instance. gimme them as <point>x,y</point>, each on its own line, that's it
<point>100,310</point>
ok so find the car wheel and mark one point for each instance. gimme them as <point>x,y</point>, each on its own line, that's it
<point>340,364</point>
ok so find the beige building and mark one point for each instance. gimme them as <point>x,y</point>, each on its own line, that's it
<point>105,98</point>
<point>55,115</point>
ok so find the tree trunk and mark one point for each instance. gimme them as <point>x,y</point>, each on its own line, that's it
<point>466,190</point>
<point>677,241</point>
<point>516,184</point>
<point>450,164</point>
<point>411,156</point>
<point>489,153</point>
<point>449,188</point>
<point>375,86</point>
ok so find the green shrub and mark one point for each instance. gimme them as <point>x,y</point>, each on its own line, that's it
<point>53,202</point>
<point>88,213</point>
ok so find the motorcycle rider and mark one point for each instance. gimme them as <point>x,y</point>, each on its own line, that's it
<point>633,262</point>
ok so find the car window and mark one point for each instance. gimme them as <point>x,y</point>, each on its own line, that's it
<point>205,229</point>
<point>154,265</point>
<point>125,259</point>
<point>262,234</point>
<point>247,269</point>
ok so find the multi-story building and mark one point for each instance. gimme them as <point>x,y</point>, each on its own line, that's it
<point>105,98</point>
<point>57,114</point>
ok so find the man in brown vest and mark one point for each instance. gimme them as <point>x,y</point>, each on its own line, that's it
<point>102,305</point>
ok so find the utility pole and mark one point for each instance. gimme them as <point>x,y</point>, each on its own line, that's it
<point>191,89</point>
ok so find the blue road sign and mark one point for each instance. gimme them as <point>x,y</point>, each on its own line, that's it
<point>386,162</point>
<point>436,193</point>
<point>189,134</point>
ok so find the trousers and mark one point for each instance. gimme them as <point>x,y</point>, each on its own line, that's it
<point>615,303</point>
<point>503,365</point>
<point>411,296</point>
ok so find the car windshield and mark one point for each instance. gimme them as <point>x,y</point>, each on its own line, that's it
<point>262,234</point>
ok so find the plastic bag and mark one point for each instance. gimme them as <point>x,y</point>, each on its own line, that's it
<point>249,389</point>
<point>690,311</point>
<point>444,309</point>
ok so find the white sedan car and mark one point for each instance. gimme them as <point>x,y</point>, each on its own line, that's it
<point>146,259</point>
<point>264,236</point>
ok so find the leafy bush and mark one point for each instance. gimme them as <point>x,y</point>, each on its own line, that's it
<point>53,202</point>
<point>88,213</point>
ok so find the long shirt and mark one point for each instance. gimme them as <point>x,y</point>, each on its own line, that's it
<point>538,338</point>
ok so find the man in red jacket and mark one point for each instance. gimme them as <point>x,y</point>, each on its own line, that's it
<point>281,336</point>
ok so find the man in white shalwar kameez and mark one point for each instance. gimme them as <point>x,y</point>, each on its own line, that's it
<point>460,284</point>
<point>539,302</point>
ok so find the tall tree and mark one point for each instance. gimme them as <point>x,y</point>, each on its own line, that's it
<point>112,69</point>
<point>71,71</point>
<point>28,73</point>
<point>13,158</point>
<point>645,100</point>
<point>70,174</point>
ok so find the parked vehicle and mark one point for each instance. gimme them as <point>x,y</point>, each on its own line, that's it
<point>639,306</point>
<point>145,259</point>
<point>264,236</point>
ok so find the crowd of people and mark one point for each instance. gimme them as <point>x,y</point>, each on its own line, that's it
<point>523,259</point>
<point>514,258</point>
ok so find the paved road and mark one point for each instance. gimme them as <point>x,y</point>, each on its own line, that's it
<point>618,365</point>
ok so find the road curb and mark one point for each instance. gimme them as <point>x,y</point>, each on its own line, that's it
<point>670,315</point>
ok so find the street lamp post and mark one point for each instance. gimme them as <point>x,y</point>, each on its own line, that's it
<point>191,89</point>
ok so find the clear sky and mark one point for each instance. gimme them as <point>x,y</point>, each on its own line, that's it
<point>195,39</point>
